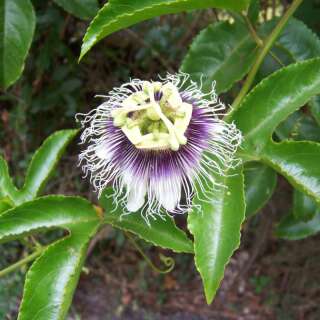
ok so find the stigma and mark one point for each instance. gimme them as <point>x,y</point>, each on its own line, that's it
<point>155,117</point>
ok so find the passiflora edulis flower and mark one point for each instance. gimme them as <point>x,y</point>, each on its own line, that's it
<point>158,143</point>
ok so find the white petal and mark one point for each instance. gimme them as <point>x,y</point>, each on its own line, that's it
<point>136,192</point>
<point>168,192</point>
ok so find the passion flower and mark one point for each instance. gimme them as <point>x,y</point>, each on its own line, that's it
<point>158,143</point>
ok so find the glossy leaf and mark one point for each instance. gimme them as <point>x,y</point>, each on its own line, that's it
<point>299,126</point>
<point>299,43</point>
<point>291,228</point>
<point>51,280</point>
<point>7,188</point>
<point>43,163</point>
<point>304,207</point>
<point>160,232</point>
<point>83,9</point>
<point>298,162</point>
<point>260,182</point>
<point>17,23</point>
<point>5,204</point>
<point>268,104</point>
<point>120,14</point>
<point>215,54</point>
<point>216,229</point>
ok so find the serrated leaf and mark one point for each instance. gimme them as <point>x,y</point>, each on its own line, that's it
<point>260,182</point>
<point>51,280</point>
<point>17,23</point>
<point>298,162</point>
<point>160,232</point>
<point>120,14</point>
<point>216,229</point>
<point>268,104</point>
<point>299,43</point>
<point>291,228</point>
<point>304,207</point>
<point>43,163</point>
<point>83,9</point>
<point>215,53</point>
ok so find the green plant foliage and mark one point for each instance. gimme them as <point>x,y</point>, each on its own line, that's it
<point>17,23</point>
<point>268,105</point>
<point>299,126</point>
<point>83,9</point>
<point>120,14</point>
<point>41,167</point>
<point>296,43</point>
<point>160,232</point>
<point>215,54</point>
<point>51,280</point>
<point>304,207</point>
<point>260,182</point>
<point>292,228</point>
<point>298,162</point>
<point>216,229</point>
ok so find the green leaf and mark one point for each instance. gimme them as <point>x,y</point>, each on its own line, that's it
<point>298,162</point>
<point>253,11</point>
<point>268,104</point>
<point>260,182</point>
<point>41,167</point>
<point>215,54</point>
<point>5,204</point>
<point>160,232</point>
<point>216,229</point>
<point>120,14</point>
<point>315,108</point>
<point>17,23</point>
<point>44,162</point>
<point>83,9</point>
<point>299,126</point>
<point>51,280</point>
<point>304,207</point>
<point>299,43</point>
<point>296,38</point>
<point>291,228</point>
<point>7,188</point>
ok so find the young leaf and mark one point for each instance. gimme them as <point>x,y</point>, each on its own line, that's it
<point>304,208</point>
<point>268,104</point>
<point>160,232</point>
<point>43,163</point>
<point>298,162</point>
<point>260,182</point>
<point>215,54</point>
<point>51,280</point>
<point>17,23</point>
<point>83,9</point>
<point>216,229</point>
<point>120,14</point>
<point>291,228</point>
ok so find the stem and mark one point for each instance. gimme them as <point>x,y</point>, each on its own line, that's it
<point>169,262</point>
<point>262,53</point>
<point>22,262</point>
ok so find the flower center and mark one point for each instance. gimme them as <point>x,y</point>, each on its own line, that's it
<point>155,117</point>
